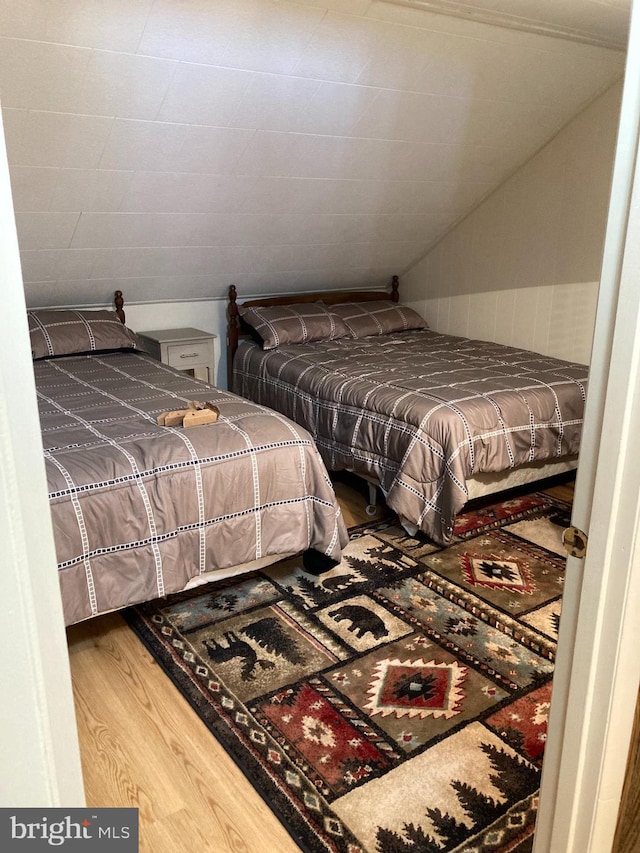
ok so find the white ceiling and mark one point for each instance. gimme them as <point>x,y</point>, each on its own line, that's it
<point>172,147</point>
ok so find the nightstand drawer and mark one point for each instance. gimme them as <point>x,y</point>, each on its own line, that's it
<point>186,356</point>
<point>191,350</point>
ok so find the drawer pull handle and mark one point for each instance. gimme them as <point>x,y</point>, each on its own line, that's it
<point>189,354</point>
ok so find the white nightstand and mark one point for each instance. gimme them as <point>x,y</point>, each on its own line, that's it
<point>186,349</point>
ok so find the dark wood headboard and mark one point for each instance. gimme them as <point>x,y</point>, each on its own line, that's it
<point>328,297</point>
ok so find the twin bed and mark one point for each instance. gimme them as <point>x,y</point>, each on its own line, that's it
<point>338,381</point>
<point>141,510</point>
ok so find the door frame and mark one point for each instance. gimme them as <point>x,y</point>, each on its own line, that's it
<point>597,670</point>
<point>38,737</point>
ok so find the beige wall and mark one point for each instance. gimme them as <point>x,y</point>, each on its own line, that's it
<point>523,267</point>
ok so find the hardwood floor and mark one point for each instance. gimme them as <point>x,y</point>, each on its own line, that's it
<point>143,745</point>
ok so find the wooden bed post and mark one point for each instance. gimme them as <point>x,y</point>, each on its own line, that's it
<point>119,302</point>
<point>395,284</point>
<point>232,333</point>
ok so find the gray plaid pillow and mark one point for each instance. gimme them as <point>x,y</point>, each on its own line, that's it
<point>63,332</point>
<point>382,317</point>
<point>279,325</point>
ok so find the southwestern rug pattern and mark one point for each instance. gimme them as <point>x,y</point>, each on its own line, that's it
<point>396,704</point>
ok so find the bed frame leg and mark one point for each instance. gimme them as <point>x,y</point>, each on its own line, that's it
<point>373,500</point>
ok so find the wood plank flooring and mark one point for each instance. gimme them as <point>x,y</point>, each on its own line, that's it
<point>143,745</point>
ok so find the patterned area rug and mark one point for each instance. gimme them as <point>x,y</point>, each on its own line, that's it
<point>398,703</point>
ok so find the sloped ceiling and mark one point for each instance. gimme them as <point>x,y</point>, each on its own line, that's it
<point>604,22</point>
<point>172,147</point>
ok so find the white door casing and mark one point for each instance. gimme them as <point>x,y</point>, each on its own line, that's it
<point>598,667</point>
<point>38,736</point>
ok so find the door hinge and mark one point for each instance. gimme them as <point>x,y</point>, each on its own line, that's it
<point>575,542</point>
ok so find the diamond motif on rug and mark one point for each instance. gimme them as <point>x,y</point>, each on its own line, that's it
<point>417,689</point>
<point>412,733</point>
<point>497,573</point>
<point>544,568</point>
<point>341,753</point>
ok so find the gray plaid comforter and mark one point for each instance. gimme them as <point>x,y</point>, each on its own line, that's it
<point>139,510</point>
<point>421,412</point>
